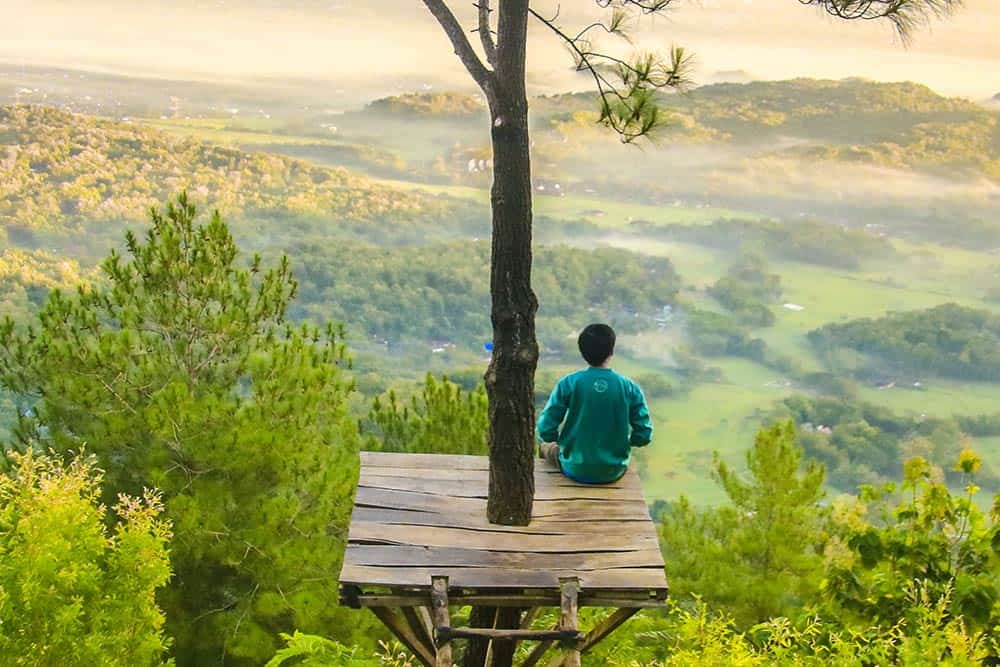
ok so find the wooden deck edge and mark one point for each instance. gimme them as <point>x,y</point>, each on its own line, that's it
<point>353,597</point>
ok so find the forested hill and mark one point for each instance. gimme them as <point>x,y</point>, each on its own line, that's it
<point>902,125</point>
<point>61,169</point>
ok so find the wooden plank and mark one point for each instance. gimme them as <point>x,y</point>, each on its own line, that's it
<point>582,530</point>
<point>470,520</point>
<point>641,599</point>
<point>542,477</point>
<point>606,627</point>
<point>396,499</point>
<point>378,533</point>
<point>410,556</point>
<point>461,489</point>
<point>569,588</point>
<point>433,461</point>
<point>437,462</point>
<point>442,618</point>
<point>467,519</point>
<point>631,579</point>
<point>404,635</point>
<point>578,509</point>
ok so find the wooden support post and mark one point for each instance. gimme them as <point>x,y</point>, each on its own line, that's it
<point>606,627</point>
<point>569,589</point>
<point>404,634</point>
<point>442,619</point>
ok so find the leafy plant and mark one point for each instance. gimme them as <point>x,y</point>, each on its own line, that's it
<point>74,592</point>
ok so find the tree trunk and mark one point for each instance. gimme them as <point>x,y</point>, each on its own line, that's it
<point>503,651</point>
<point>475,650</point>
<point>505,618</point>
<point>510,378</point>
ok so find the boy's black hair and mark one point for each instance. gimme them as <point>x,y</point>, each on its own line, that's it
<point>597,343</point>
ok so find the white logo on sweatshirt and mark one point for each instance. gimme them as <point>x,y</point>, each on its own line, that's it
<point>600,386</point>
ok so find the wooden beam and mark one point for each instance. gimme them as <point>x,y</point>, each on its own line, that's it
<point>504,634</point>
<point>416,624</point>
<point>513,599</point>
<point>606,627</point>
<point>424,614</point>
<point>569,590</point>
<point>529,617</point>
<point>403,633</point>
<point>442,619</point>
<point>538,652</point>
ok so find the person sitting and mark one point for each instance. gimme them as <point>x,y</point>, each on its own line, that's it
<point>594,416</point>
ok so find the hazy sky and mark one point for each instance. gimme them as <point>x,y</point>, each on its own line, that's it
<point>349,40</point>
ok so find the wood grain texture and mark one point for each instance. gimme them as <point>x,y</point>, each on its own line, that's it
<point>421,516</point>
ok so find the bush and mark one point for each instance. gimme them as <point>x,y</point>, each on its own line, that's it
<point>72,591</point>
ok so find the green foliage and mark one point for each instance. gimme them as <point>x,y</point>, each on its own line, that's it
<point>69,169</point>
<point>948,340</point>
<point>747,289</point>
<point>700,637</point>
<point>182,375</point>
<point>863,443</point>
<point>715,334</point>
<point>436,293</point>
<point>756,556</point>
<point>924,534</point>
<point>72,591</point>
<point>443,419</point>
<point>655,385</point>
<point>313,651</point>
<point>26,278</point>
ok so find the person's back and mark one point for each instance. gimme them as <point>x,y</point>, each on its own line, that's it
<point>594,416</point>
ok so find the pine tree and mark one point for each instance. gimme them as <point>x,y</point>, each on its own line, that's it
<point>756,557</point>
<point>441,420</point>
<point>179,372</point>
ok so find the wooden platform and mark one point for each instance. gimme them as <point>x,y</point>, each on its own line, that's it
<point>422,515</point>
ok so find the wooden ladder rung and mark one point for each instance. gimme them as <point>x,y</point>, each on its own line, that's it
<point>447,634</point>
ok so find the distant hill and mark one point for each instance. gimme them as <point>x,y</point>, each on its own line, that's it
<point>428,105</point>
<point>732,76</point>
<point>903,125</point>
<point>59,169</point>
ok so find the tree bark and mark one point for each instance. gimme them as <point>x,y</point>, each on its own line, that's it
<point>510,378</point>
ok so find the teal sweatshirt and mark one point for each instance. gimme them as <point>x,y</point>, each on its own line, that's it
<point>603,415</point>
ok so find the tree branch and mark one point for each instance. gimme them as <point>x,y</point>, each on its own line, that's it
<point>629,111</point>
<point>485,33</point>
<point>905,15</point>
<point>463,49</point>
